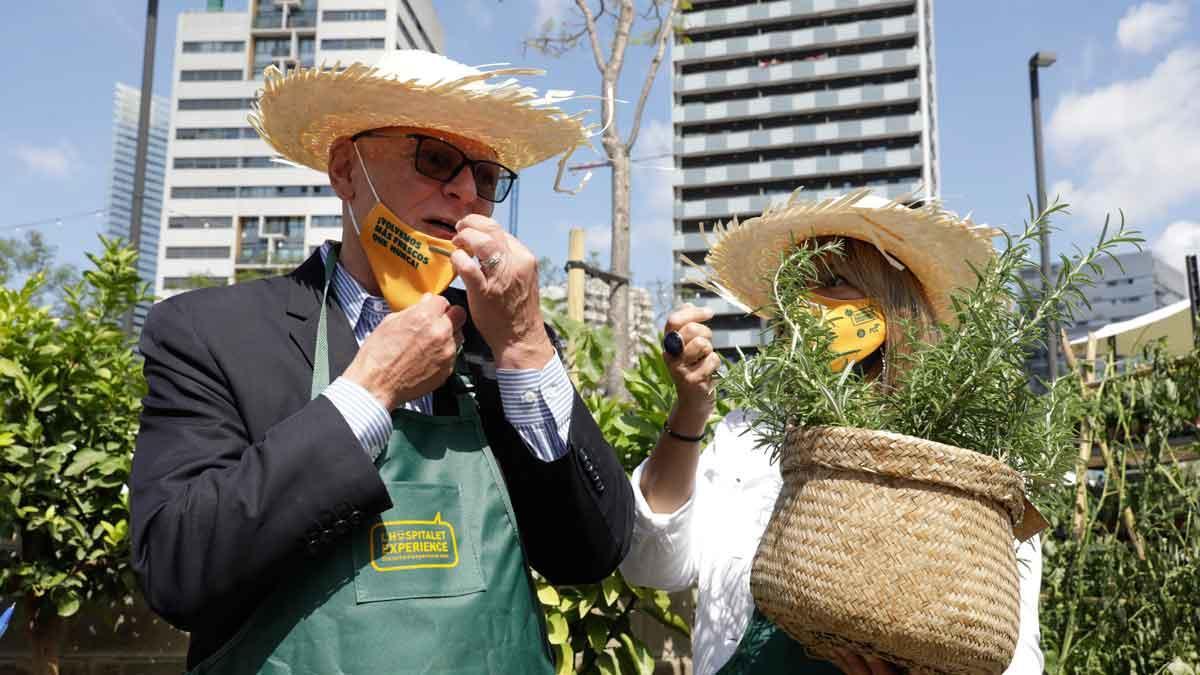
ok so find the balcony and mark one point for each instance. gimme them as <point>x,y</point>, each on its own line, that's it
<point>302,20</point>
<point>726,207</point>
<point>282,21</point>
<point>795,104</point>
<point>782,169</point>
<point>811,134</point>
<point>852,65</point>
<point>731,17</point>
<point>268,20</point>
<point>795,40</point>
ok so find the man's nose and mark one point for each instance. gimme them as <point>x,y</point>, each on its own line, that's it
<point>462,185</point>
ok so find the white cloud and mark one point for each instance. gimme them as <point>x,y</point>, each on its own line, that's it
<point>57,161</point>
<point>1133,144</point>
<point>1151,24</point>
<point>549,11</point>
<point>1178,239</point>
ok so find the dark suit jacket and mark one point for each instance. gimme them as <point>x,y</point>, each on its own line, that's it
<point>236,469</point>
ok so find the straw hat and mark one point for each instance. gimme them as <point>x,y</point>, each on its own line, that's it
<point>302,113</point>
<point>936,245</point>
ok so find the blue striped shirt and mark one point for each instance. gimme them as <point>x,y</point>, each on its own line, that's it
<point>536,402</point>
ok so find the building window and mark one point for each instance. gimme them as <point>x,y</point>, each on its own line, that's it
<point>285,225</point>
<point>308,52</point>
<point>203,192</point>
<point>210,75</point>
<point>226,163</point>
<point>193,252</point>
<point>353,43</point>
<point>206,162</point>
<point>199,222</point>
<point>326,221</point>
<point>212,47</point>
<point>354,15</point>
<point>252,191</point>
<point>214,133</point>
<point>215,103</point>
<point>261,163</point>
<point>192,282</point>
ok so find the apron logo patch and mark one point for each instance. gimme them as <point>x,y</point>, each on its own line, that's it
<point>413,544</point>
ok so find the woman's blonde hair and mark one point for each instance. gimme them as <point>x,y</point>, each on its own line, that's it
<point>898,293</point>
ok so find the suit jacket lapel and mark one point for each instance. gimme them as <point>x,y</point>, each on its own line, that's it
<point>304,307</point>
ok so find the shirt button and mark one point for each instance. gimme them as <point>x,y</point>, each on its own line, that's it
<point>529,397</point>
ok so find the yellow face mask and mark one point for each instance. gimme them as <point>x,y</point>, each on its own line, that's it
<point>406,262</point>
<point>859,327</point>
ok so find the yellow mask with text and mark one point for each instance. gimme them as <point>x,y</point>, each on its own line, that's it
<point>406,262</point>
<point>859,327</point>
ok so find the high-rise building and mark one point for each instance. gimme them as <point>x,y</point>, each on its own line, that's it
<point>126,109</point>
<point>232,212</point>
<point>1133,284</point>
<point>772,96</point>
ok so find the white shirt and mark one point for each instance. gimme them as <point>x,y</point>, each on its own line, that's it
<point>711,540</point>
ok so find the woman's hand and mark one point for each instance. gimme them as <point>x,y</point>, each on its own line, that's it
<point>692,369</point>
<point>669,476</point>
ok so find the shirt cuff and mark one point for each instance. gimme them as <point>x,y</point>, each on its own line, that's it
<point>538,404</point>
<point>368,419</point>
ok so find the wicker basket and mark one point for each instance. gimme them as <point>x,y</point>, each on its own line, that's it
<point>893,546</point>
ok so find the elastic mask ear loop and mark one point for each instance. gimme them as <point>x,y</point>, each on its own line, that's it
<point>370,183</point>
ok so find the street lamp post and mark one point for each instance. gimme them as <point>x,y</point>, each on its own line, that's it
<point>143,140</point>
<point>1043,60</point>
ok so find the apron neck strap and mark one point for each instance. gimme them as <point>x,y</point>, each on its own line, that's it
<point>320,376</point>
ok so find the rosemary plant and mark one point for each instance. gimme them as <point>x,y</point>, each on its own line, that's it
<point>969,389</point>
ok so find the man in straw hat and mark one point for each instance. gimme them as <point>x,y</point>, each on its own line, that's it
<point>349,468</point>
<point>901,265</point>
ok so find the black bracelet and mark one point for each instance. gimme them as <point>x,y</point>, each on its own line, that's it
<point>676,435</point>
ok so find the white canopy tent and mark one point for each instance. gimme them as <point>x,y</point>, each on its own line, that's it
<point>1127,338</point>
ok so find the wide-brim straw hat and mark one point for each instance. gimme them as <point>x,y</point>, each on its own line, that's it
<point>302,113</point>
<point>937,245</point>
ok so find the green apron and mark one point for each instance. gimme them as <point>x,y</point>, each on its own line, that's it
<point>436,584</point>
<point>766,650</point>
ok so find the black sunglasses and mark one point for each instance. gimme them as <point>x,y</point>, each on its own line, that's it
<point>439,160</point>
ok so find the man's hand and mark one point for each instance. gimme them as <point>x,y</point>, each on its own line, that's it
<point>853,664</point>
<point>410,353</point>
<point>502,291</point>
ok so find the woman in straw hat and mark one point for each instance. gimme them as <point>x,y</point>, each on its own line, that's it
<point>700,516</point>
<point>351,468</point>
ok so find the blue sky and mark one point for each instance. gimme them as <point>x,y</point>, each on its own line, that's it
<point>1121,110</point>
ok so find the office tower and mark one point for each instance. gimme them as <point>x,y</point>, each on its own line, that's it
<point>126,109</point>
<point>232,212</point>
<point>827,95</point>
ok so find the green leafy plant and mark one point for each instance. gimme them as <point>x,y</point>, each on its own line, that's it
<point>72,390</point>
<point>968,389</point>
<point>1121,597</point>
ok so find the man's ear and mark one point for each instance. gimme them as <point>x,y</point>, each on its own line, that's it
<point>341,166</point>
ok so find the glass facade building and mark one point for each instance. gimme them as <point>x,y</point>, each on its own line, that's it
<point>126,109</point>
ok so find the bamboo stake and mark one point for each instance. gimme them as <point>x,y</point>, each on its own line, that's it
<point>576,277</point>
<point>1127,512</point>
<point>1088,373</point>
